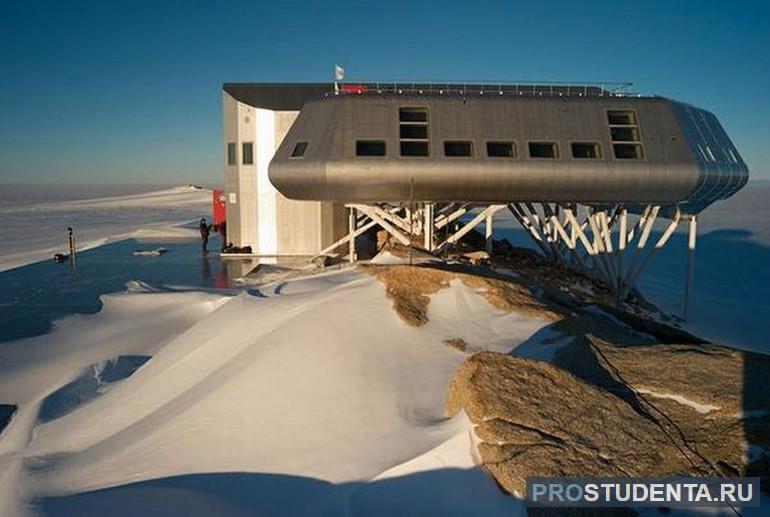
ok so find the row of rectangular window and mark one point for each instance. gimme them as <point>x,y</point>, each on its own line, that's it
<point>464,148</point>
<point>247,153</point>
<point>414,140</point>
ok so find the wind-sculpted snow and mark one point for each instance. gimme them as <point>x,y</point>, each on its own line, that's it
<point>95,380</point>
<point>40,375</point>
<point>315,378</point>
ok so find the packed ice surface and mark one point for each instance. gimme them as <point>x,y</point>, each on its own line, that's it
<point>35,228</point>
<point>314,380</point>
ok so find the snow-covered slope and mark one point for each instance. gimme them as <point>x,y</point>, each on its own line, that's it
<point>307,397</point>
<point>35,231</point>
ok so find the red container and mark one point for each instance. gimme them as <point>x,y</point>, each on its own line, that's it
<point>218,207</point>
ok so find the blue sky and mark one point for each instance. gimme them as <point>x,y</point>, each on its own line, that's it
<point>129,91</point>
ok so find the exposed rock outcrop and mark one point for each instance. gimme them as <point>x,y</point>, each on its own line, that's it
<point>410,287</point>
<point>536,419</point>
<point>457,343</point>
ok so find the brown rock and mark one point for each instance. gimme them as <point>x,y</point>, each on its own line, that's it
<point>638,410</point>
<point>477,257</point>
<point>383,237</point>
<point>537,420</point>
<point>458,343</point>
<point>409,288</point>
<point>715,386</point>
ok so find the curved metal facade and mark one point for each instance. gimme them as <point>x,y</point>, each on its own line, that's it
<point>723,172</point>
<point>685,156</point>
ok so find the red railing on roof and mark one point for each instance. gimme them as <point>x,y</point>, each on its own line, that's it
<point>358,89</point>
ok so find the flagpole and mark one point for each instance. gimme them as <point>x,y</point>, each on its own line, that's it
<point>339,74</point>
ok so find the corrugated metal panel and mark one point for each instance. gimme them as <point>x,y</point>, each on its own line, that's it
<point>669,172</point>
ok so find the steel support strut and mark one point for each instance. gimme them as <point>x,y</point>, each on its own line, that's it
<point>596,243</point>
<point>691,241</point>
<point>612,244</point>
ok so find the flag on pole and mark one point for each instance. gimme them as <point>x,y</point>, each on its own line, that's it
<point>339,73</point>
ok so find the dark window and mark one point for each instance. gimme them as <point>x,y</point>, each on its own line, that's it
<point>299,150</point>
<point>543,150</point>
<point>413,115</point>
<point>458,148</point>
<point>232,151</point>
<point>586,150</point>
<point>414,148</point>
<point>413,132</point>
<point>628,151</point>
<point>621,118</point>
<point>248,153</point>
<point>370,148</point>
<point>501,150</point>
<point>624,134</point>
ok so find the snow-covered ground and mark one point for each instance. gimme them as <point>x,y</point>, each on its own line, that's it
<point>303,397</point>
<point>306,397</point>
<point>33,224</point>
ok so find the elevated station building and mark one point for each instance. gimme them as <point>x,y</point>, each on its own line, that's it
<point>588,170</point>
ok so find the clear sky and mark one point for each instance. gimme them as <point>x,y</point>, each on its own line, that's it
<point>129,91</point>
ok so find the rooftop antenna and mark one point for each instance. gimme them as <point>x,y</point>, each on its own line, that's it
<point>339,75</point>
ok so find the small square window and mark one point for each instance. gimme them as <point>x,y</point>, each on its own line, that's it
<point>501,150</point>
<point>413,132</point>
<point>299,150</point>
<point>628,151</point>
<point>586,150</point>
<point>232,154</point>
<point>413,115</point>
<point>624,134</point>
<point>370,148</point>
<point>543,150</point>
<point>414,149</point>
<point>248,153</point>
<point>458,148</point>
<point>621,118</point>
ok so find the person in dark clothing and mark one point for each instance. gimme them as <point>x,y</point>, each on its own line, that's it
<point>205,229</point>
<point>223,233</point>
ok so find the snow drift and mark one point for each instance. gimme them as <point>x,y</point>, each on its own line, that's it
<point>314,381</point>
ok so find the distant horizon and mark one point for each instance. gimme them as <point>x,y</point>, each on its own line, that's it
<point>136,187</point>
